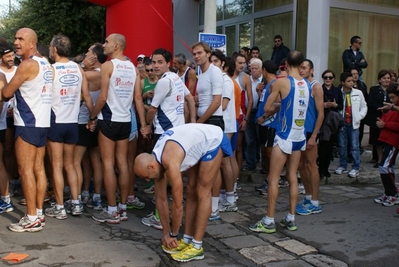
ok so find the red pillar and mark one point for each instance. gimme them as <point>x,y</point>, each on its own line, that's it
<point>146,24</point>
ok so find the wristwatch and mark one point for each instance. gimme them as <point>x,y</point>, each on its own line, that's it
<point>82,65</point>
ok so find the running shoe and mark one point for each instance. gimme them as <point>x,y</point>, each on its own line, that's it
<point>390,201</point>
<point>95,204</point>
<point>107,217</point>
<point>228,207</point>
<point>25,225</point>
<point>353,173</point>
<point>283,183</point>
<point>150,190</point>
<point>381,199</point>
<point>151,221</point>
<point>214,216</point>
<point>290,225</point>
<point>262,187</point>
<point>308,209</point>
<point>59,214</point>
<point>122,215</point>
<point>177,249</point>
<point>135,204</point>
<point>188,254</point>
<point>6,207</point>
<point>340,170</point>
<point>261,227</point>
<point>304,202</point>
<point>42,219</point>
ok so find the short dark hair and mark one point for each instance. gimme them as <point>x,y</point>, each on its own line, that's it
<point>382,73</point>
<point>255,48</point>
<point>269,66</point>
<point>311,65</point>
<point>236,55</point>
<point>98,50</point>
<point>327,71</point>
<point>163,52</point>
<point>230,63</point>
<point>63,45</point>
<point>393,89</point>
<point>5,48</point>
<point>353,68</point>
<point>295,59</point>
<point>344,76</point>
<point>278,36</point>
<point>181,58</point>
<point>219,54</point>
<point>246,49</point>
<point>354,39</point>
<point>147,61</point>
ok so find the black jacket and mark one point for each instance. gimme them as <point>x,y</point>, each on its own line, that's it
<point>279,53</point>
<point>351,60</point>
<point>375,100</point>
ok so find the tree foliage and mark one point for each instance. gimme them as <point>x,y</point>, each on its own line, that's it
<point>80,20</point>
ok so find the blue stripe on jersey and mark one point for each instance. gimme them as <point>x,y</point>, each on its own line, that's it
<point>311,113</point>
<point>163,119</point>
<point>106,112</point>
<point>285,116</point>
<point>25,112</point>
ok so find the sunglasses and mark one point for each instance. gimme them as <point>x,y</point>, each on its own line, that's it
<point>328,77</point>
<point>149,70</point>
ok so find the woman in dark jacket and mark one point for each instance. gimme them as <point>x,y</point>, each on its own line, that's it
<point>377,96</point>
<point>333,102</point>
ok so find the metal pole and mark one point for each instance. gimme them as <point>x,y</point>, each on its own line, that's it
<point>210,16</point>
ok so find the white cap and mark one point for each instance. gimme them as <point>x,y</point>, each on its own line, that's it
<point>141,55</point>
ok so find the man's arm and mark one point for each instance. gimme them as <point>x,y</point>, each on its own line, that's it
<point>191,108</point>
<point>3,83</point>
<point>216,102</point>
<point>106,72</point>
<point>192,81</point>
<point>85,92</point>
<point>25,71</point>
<point>347,59</point>
<point>274,93</point>
<point>160,91</point>
<point>362,62</point>
<point>247,87</point>
<point>138,102</point>
<point>317,92</point>
<point>217,90</point>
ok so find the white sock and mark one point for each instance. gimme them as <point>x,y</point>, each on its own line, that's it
<point>96,196</point>
<point>315,202</point>
<point>230,197</point>
<point>85,193</point>
<point>267,220</point>
<point>60,207</point>
<point>222,195</point>
<point>290,217</point>
<point>6,199</point>
<point>32,218</point>
<point>308,197</point>
<point>122,206</point>
<point>112,209</point>
<point>39,212</point>
<point>77,201</point>
<point>187,239</point>
<point>197,244</point>
<point>79,197</point>
<point>215,204</point>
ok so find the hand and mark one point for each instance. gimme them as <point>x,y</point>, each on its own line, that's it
<point>362,60</point>
<point>149,94</point>
<point>260,120</point>
<point>91,125</point>
<point>169,242</point>
<point>146,132</point>
<point>196,101</point>
<point>243,126</point>
<point>386,106</point>
<point>380,124</point>
<point>311,143</point>
<point>89,61</point>
<point>260,86</point>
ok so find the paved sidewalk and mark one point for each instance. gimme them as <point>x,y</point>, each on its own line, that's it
<point>339,236</point>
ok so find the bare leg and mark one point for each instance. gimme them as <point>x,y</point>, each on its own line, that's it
<point>4,175</point>
<point>107,151</point>
<point>122,164</point>
<point>57,162</point>
<point>292,167</point>
<point>72,177</point>
<point>40,174</point>
<point>192,200</point>
<point>131,155</point>
<point>77,162</point>
<point>94,154</point>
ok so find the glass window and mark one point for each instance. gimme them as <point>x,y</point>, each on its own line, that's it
<point>379,41</point>
<point>267,4</point>
<point>201,13</point>
<point>219,10</point>
<point>236,8</point>
<point>219,29</point>
<point>387,3</point>
<point>302,26</point>
<point>244,35</point>
<point>230,39</point>
<point>267,27</point>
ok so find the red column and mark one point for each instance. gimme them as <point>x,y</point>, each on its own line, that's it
<point>146,24</point>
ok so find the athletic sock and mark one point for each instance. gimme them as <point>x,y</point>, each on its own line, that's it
<point>230,197</point>
<point>39,212</point>
<point>85,193</point>
<point>290,217</point>
<point>308,197</point>
<point>32,218</point>
<point>6,199</point>
<point>112,209</point>
<point>315,202</point>
<point>130,198</point>
<point>60,207</point>
<point>96,196</point>
<point>267,220</point>
<point>215,204</point>
<point>80,198</point>
<point>222,195</point>
<point>122,206</point>
<point>197,244</point>
<point>187,239</point>
<point>77,201</point>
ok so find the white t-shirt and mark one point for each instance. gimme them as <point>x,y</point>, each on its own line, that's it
<point>6,104</point>
<point>229,114</point>
<point>210,83</point>
<point>169,95</point>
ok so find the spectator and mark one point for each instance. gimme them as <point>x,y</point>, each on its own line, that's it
<point>332,103</point>
<point>353,57</point>
<point>255,53</point>
<point>280,51</point>
<point>377,96</point>
<point>355,109</point>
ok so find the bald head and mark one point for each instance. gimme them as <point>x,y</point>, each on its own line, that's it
<point>143,164</point>
<point>25,42</point>
<point>119,39</point>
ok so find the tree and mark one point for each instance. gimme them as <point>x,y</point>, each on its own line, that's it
<point>80,20</point>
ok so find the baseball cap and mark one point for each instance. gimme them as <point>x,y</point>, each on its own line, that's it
<point>5,49</point>
<point>141,56</point>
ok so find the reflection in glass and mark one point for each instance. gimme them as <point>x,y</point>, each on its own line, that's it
<point>267,4</point>
<point>244,35</point>
<point>230,39</point>
<point>219,10</point>
<point>236,8</point>
<point>267,27</point>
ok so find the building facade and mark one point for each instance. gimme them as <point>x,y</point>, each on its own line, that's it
<point>319,28</point>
